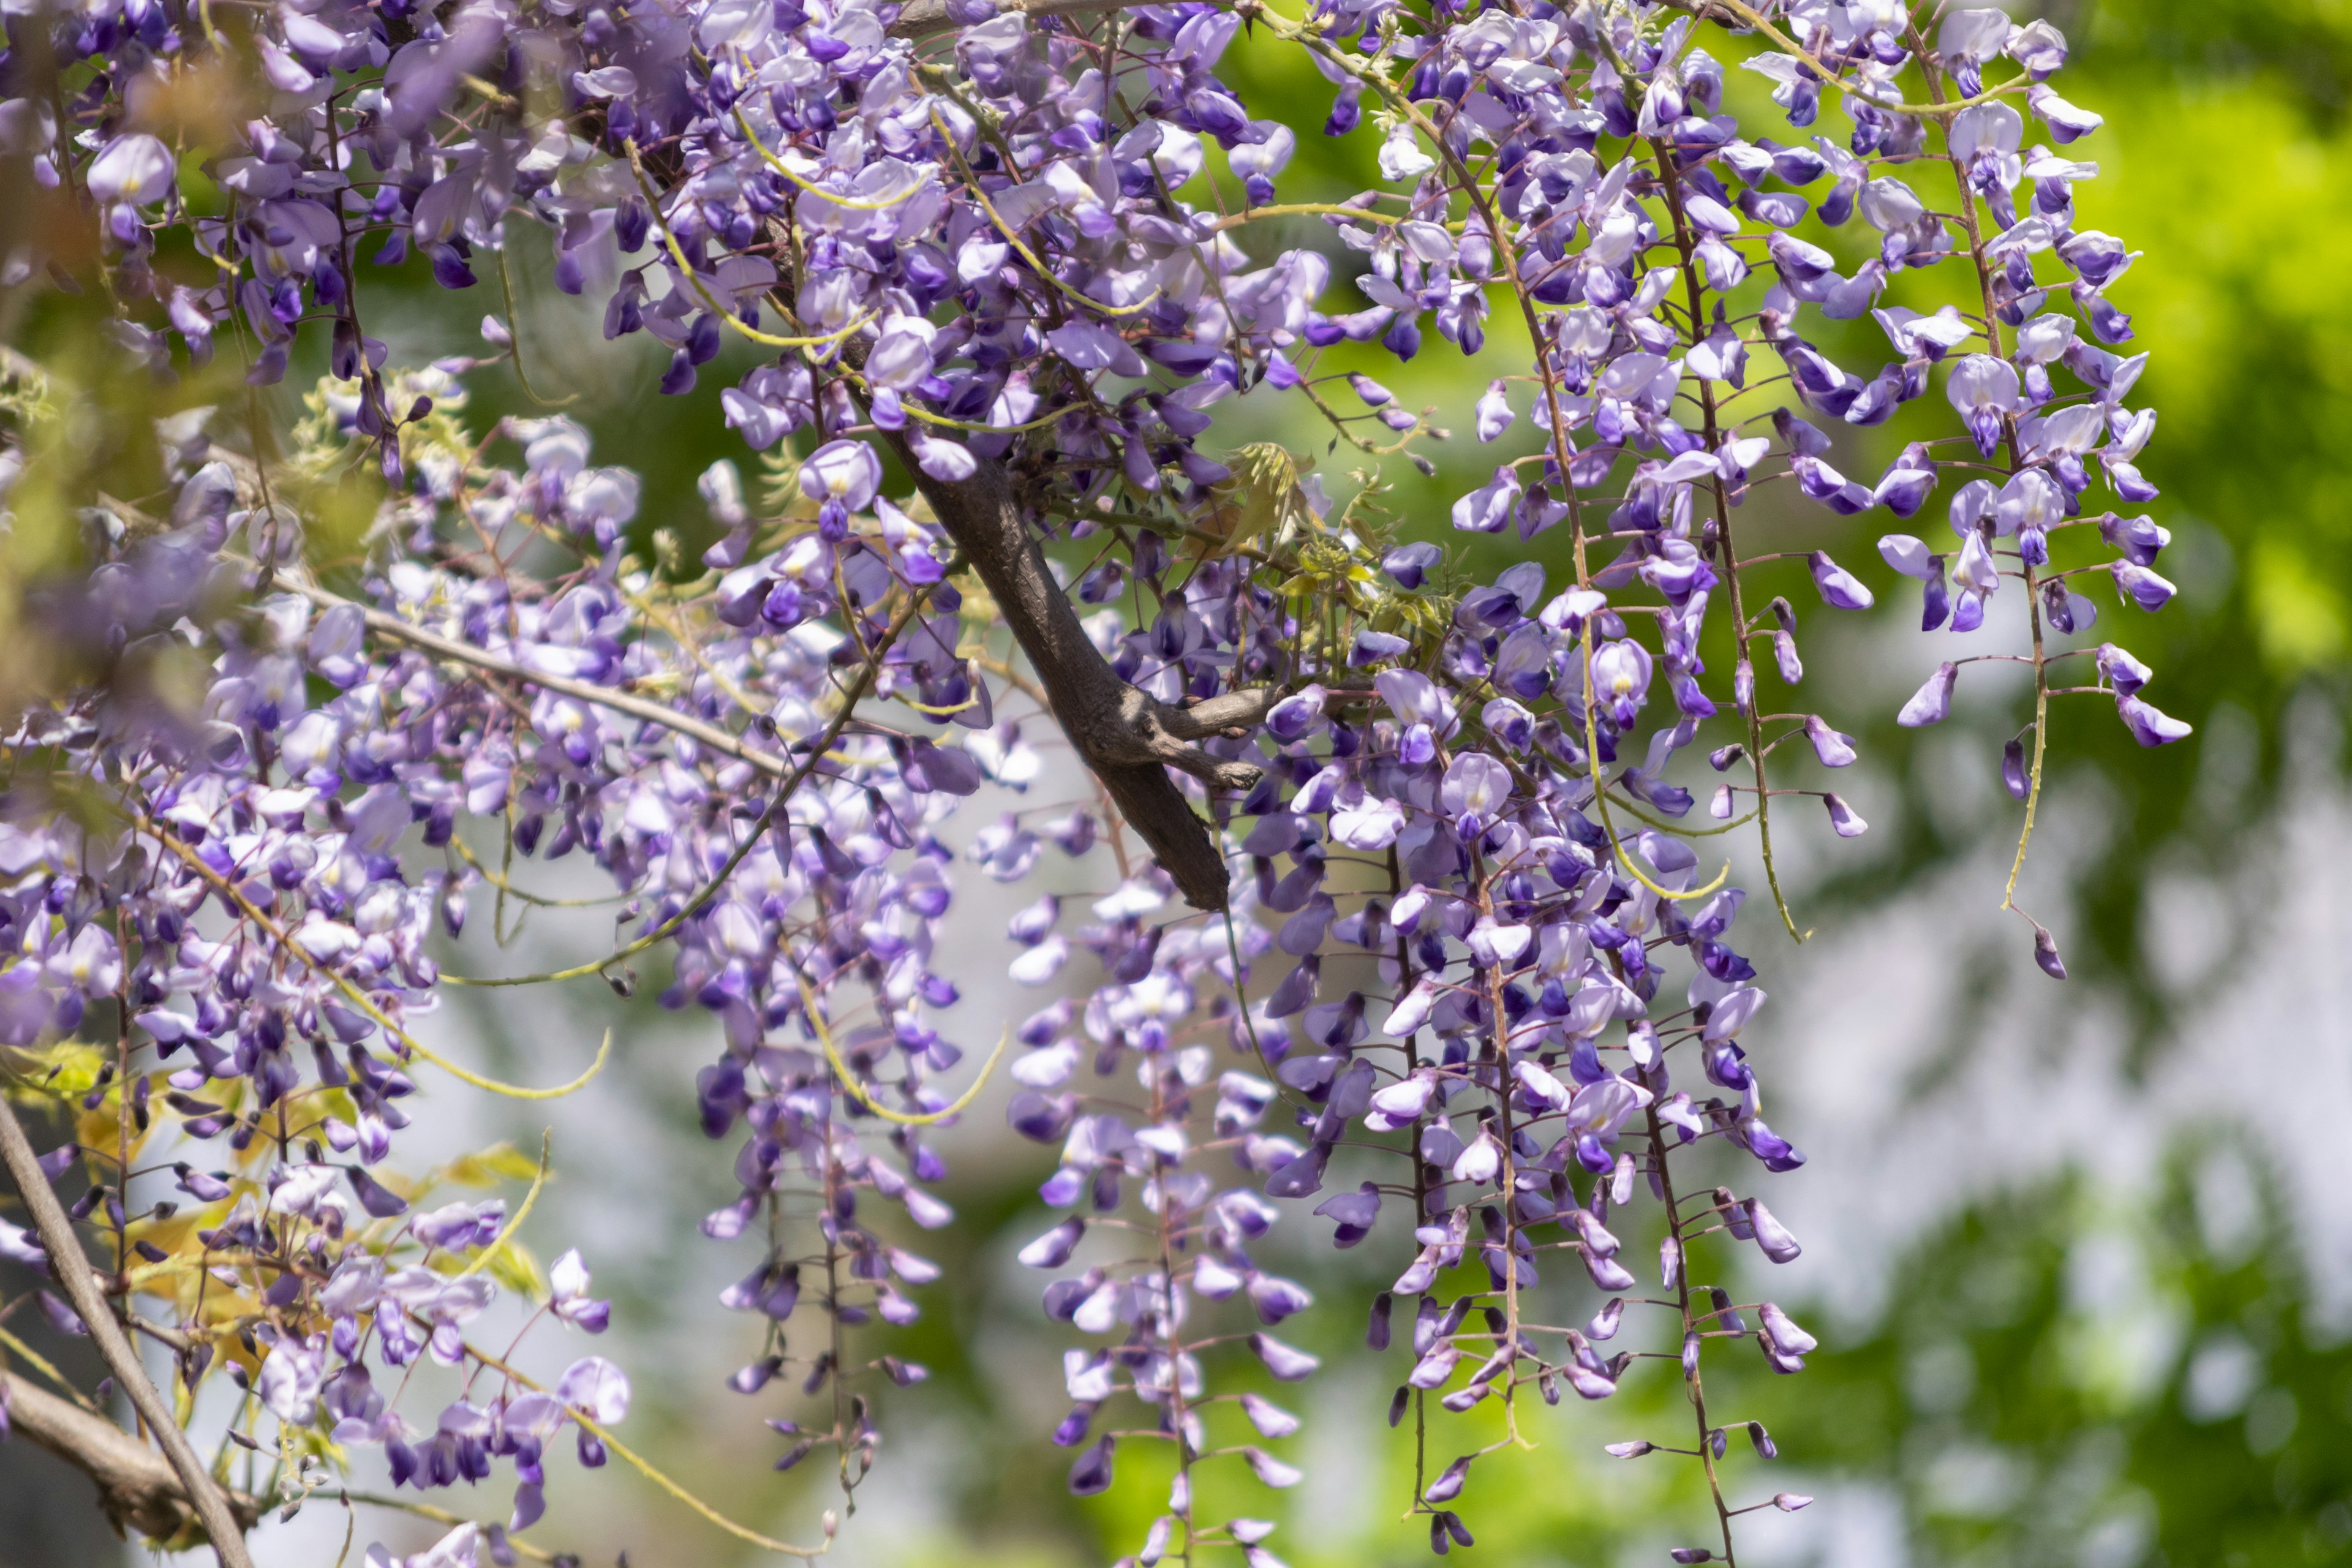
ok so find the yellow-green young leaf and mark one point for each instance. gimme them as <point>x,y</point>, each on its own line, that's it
<point>1261,498</point>
<point>69,1067</point>
<point>336,1103</point>
<point>514,1267</point>
<point>487,1167</point>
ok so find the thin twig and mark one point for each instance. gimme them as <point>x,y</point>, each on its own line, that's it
<point>72,1267</point>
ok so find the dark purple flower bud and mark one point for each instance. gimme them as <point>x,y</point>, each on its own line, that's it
<point>1276,1299</point>
<point>1092,1472</point>
<point>378,1200</point>
<point>754,1377</point>
<point>1936,601</point>
<point>2012,769</point>
<point>401,1459</point>
<point>62,1318</point>
<point>2045,953</point>
<point>1346,109</point>
<point>1407,564</point>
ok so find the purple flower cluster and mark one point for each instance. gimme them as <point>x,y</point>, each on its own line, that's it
<point>1456,819</point>
<point>262,903</point>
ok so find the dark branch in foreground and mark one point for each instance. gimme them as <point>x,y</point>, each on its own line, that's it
<point>136,1486</point>
<point>1126,737</point>
<point>72,1267</point>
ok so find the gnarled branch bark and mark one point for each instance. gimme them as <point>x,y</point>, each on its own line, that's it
<point>136,1486</point>
<point>1126,737</point>
<point>72,1267</point>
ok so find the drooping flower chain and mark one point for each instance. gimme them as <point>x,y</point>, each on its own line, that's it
<point>813,170</point>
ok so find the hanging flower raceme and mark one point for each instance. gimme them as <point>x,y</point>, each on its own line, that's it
<point>1458,925</point>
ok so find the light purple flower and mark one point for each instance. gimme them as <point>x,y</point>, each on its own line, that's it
<point>596,1389</point>
<point>137,169</point>
<point>1839,589</point>
<point>1932,703</point>
<point>844,471</point>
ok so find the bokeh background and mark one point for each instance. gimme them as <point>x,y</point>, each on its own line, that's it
<point>2081,1256</point>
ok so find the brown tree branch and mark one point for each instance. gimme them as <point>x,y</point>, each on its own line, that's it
<point>136,1486</point>
<point>75,1276</point>
<point>1126,737</point>
<point>723,742</point>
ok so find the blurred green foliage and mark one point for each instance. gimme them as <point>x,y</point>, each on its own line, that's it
<point>2067,1379</point>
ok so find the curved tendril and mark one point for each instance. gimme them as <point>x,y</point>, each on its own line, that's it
<point>779,165</point>
<point>1358,442</point>
<point>935,712</point>
<point>1681,829</point>
<point>1968,216</point>
<point>2033,781</point>
<point>359,997</point>
<point>1601,796</point>
<point>645,1468</point>
<point>1020,247</point>
<point>917,411</point>
<point>42,1364</point>
<point>514,344</point>
<point>694,278</point>
<point>1304,209</point>
<point>864,1097</point>
<point>709,890</point>
<point>1756,748</point>
<point>1249,1021</point>
<point>538,1183</point>
<point>504,884</point>
<point>346,1496</point>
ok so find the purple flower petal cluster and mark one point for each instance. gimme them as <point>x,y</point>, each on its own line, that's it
<point>1456,818</point>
